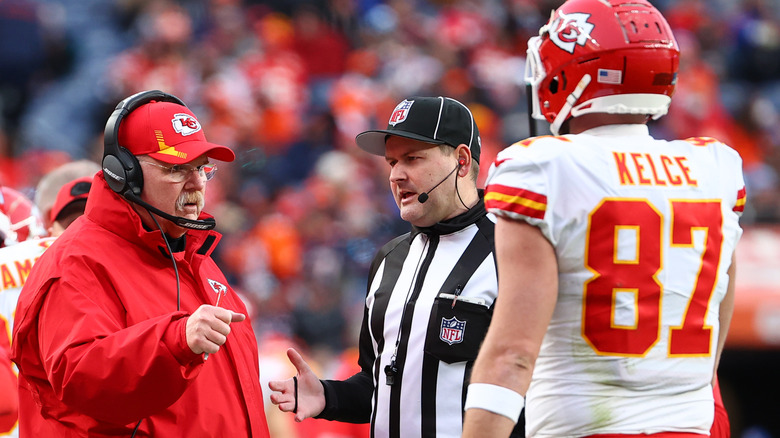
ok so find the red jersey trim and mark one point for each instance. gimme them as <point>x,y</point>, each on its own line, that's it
<point>741,197</point>
<point>515,200</point>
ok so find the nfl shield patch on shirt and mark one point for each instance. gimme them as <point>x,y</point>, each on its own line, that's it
<point>452,330</point>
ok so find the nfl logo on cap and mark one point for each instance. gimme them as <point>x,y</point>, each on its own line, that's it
<point>400,112</point>
<point>452,330</point>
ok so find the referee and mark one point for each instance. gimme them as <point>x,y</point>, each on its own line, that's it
<point>430,292</point>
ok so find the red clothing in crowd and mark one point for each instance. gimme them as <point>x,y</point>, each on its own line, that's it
<point>8,402</point>
<point>100,344</point>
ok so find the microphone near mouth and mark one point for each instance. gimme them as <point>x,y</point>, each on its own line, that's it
<point>423,197</point>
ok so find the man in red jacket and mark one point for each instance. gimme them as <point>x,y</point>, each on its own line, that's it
<point>117,320</point>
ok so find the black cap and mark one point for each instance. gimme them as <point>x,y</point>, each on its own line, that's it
<point>435,120</point>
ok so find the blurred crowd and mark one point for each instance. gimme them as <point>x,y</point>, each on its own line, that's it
<point>289,83</point>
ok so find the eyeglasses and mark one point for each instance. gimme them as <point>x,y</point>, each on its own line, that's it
<point>180,172</point>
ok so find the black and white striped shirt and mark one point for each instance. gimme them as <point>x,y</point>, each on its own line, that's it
<point>428,306</point>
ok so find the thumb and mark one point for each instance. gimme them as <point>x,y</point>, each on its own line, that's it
<point>237,317</point>
<point>297,361</point>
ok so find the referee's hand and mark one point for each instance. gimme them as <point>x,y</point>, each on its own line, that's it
<point>208,328</point>
<point>303,395</point>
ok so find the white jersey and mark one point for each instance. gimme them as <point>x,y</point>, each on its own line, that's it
<point>16,261</point>
<point>644,231</point>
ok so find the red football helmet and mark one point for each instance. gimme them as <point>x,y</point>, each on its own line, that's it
<point>20,219</point>
<point>602,56</point>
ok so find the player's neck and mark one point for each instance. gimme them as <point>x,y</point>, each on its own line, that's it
<point>584,122</point>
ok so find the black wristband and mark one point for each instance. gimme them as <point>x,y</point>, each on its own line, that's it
<point>295,384</point>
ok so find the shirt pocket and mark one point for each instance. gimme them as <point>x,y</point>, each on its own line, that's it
<point>456,328</point>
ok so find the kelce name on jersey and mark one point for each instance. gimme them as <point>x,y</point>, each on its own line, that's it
<point>646,169</point>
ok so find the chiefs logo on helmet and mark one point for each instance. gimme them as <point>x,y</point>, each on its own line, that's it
<point>570,30</point>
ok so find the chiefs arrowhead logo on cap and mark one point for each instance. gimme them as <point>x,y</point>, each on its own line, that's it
<point>185,124</point>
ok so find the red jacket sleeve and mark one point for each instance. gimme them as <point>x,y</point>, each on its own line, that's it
<point>9,399</point>
<point>108,371</point>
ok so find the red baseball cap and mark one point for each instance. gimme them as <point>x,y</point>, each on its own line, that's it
<point>168,132</point>
<point>76,190</point>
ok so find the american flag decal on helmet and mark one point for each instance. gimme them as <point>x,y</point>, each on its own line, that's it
<point>607,76</point>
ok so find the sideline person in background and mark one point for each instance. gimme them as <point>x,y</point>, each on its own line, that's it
<point>69,205</point>
<point>430,292</point>
<point>9,402</point>
<point>119,316</point>
<point>615,250</point>
<point>21,229</point>
<point>18,256</point>
<point>50,184</point>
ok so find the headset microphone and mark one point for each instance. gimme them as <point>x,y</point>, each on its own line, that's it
<point>424,195</point>
<point>205,224</point>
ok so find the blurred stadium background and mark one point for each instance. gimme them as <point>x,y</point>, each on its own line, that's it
<point>289,83</point>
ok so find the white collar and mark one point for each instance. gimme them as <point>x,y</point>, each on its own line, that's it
<point>619,130</point>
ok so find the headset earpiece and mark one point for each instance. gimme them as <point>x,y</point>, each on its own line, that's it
<point>120,167</point>
<point>462,162</point>
<point>122,172</point>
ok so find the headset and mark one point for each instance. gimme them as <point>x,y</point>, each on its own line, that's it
<point>122,170</point>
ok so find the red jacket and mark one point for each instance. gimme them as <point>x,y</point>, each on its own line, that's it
<point>100,345</point>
